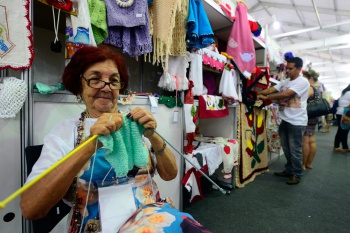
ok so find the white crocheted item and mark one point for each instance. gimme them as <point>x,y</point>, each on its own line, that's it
<point>13,93</point>
<point>175,77</point>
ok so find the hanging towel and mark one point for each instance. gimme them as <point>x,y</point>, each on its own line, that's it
<point>240,43</point>
<point>199,31</point>
<point>211,106</point>
<point>78,30</point>
<point>124,148</point>
<point>196,72</point>
<point>228,85</point>
<point>98,16</point>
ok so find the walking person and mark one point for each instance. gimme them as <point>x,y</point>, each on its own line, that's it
<point>330,119</point>
<point>292,94</point>
<point>309,138</point>
<point>342,134</point>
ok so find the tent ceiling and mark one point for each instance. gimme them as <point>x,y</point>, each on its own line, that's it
<point>316,30</point>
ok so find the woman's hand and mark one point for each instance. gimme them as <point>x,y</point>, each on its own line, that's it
<point>107,123</point>
<point>166,163</point>
<point>143,117</point>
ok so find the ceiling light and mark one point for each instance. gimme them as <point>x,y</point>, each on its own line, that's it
<point>276,24</point>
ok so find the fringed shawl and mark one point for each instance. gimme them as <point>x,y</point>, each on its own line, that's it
<point>163,18</point>
<point>178,46</point>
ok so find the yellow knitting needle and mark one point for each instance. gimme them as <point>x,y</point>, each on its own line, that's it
<point>36,179</point>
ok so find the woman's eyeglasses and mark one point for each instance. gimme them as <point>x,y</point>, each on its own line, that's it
<point>99,84</point>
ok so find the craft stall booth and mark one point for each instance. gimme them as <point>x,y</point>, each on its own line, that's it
<point>232,136</point>
<point>201,95</point>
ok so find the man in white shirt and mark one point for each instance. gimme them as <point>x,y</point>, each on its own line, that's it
<point>292,94</point>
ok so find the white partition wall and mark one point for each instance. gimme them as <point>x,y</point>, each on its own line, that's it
<point>10,173</point>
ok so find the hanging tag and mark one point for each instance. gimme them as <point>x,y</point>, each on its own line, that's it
<point>154,104</point>
<point>176,115</point>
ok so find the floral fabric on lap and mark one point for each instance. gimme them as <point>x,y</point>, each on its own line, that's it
<point>161,217</point>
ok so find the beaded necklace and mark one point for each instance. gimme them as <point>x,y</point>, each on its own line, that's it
<point>76,220</point>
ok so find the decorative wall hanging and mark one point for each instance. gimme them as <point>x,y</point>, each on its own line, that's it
<point>240,43</point>
<point>253,158</point>
<point>16,39</point>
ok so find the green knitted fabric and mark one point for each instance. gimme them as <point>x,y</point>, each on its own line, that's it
<point>124,148</point>
<point>98,18</point>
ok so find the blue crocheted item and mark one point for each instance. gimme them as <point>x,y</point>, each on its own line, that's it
<point>124,148</point>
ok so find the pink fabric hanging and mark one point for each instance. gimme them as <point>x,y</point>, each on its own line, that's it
<point>240,43</point>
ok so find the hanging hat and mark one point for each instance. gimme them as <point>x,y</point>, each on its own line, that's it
<point>13,92</point>
<point>288,55</point>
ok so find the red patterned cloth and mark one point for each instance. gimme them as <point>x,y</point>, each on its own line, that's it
<point>211,106</point>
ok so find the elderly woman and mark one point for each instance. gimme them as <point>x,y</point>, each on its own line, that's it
<point>309,138</point>
<point>96,75</point>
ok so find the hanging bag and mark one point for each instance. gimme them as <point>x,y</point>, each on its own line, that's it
<point>318,106</point>
<point>345,119</point>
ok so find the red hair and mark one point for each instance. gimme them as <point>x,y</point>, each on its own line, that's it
<point>84,58</point>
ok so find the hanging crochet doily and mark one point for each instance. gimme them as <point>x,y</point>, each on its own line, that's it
<point>13,93</point>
